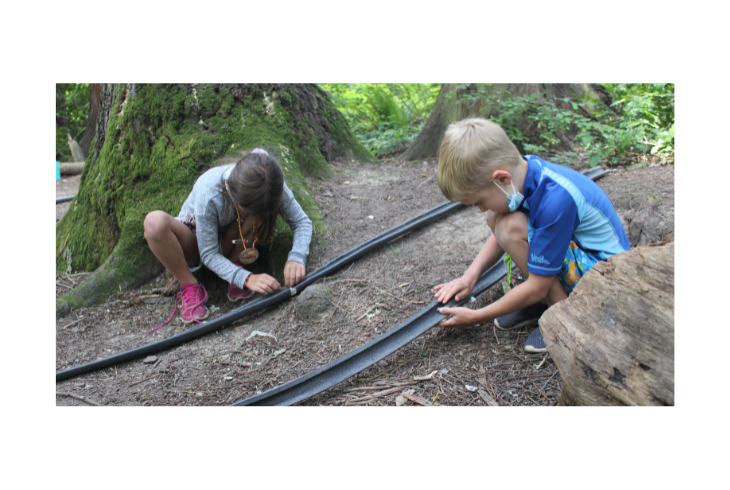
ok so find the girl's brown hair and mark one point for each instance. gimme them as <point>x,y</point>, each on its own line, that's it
<point>256,184</point>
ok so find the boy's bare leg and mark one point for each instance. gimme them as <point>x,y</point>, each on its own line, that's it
<point>173,243</point>
<point>511,232</point>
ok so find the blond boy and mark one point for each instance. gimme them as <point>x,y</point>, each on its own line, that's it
<point>553,221</point>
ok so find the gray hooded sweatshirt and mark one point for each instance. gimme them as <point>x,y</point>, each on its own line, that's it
<point>214,211</point>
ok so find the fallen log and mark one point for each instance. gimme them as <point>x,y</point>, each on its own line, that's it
<point>72,168</point>
<point>613,338</point>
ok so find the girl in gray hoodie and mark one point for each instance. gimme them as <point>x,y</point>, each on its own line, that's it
<point>230,212</point>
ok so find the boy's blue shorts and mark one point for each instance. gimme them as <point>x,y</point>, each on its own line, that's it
<point>575,265</point>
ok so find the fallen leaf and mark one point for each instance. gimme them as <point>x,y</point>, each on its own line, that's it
<point>400,400</point>
<point>471,388</point>
<point>149,359</point>
<point>260,334</point>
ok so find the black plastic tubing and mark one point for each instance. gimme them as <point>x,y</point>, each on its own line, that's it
<point>59,200</point>
<point>265,301</point>
<point>352,363</point>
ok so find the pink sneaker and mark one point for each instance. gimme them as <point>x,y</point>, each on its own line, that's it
<point>234,292</point>
<point>193,307</point>
<point>237,294</point>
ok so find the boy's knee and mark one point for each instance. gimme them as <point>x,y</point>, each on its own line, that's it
<point>491,218</point>
<point>155,223</point>
<point>510,227</point>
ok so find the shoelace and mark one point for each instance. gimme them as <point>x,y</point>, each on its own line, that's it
<point>189,294</point>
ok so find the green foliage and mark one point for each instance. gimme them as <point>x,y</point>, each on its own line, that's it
<point>72,109</point>
<point>643,121</point>
<point>384,117</point>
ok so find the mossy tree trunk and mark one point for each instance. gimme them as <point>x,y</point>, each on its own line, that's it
<point>154,141</point>
<point>460,101</point>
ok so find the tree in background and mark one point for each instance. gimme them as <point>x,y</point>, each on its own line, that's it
<point>154,141</point>
<point>72,110</point>
<point>566,118</point>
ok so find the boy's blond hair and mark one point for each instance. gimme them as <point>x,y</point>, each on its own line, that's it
<point>471,150</point>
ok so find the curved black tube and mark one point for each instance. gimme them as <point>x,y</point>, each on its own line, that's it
<point>266,301</point>
<point>350,364</point>
<point>59,200</point>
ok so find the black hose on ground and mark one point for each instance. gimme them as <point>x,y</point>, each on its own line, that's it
<point>266,301</point>
<point>365,356</point>
<point>59,200</point>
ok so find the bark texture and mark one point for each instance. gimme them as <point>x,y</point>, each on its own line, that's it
<point>90,131</point>
<point>154,141</point>
<point>456,102</point>
<point>613,338</point>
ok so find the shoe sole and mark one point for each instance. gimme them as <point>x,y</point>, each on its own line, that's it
<point>207,314</point>
<point>521,324</point>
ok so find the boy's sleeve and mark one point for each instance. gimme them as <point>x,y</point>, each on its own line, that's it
<point>300,224</point>
<point>553,226</point>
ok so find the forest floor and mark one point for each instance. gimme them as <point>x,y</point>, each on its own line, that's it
<point>375,294</point>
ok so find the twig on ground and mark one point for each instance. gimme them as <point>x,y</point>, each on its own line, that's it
<point>495,334</point>
<point>143,380</point>
<point>73,323</point>
<point>378,394</point>
<point>400,299</point>
<point>77,397</point>
<point>551,377</point>
<point>541,363</point>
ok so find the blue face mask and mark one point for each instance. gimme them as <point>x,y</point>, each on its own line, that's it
<point>514,199</point>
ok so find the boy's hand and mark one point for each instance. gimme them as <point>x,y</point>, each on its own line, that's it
<point>461,287</point>
<point>262,284</point>
<point>293,273</point>
<point>462,317</point>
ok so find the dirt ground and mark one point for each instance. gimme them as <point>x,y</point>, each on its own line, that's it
<point>373,295</point>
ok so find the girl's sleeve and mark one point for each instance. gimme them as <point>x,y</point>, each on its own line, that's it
<point>300,224</point>
<point>206,226</point>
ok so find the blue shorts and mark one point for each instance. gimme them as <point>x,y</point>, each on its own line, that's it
<point>575,264</point>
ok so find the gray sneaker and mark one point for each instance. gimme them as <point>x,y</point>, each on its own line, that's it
<point>520,318</point>
<point>535,343</point>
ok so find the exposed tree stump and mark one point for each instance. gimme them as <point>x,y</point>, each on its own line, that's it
<point>613,338</point>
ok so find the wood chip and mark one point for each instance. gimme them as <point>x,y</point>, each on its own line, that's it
<point>425,378</point>
<point>417,399</point>
<point>490,401</point>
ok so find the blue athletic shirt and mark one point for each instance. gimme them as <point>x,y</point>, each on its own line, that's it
<point>564,205</point>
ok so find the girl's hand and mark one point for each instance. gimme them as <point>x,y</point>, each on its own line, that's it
<point>262,284</point>
<point>461,287</point>
<point>463,317</point>
<point>293,273</point>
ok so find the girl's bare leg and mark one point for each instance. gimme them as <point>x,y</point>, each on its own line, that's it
<point>174,245</point>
